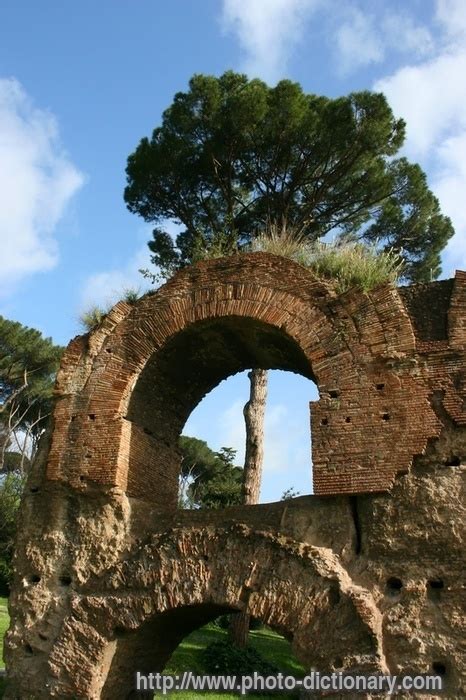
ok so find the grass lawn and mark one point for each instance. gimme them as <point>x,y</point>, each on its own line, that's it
<point>269,644</point>
<point>4,622</point>
<point>273,647</point>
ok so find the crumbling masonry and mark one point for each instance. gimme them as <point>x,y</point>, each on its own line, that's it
<point>364,575</point>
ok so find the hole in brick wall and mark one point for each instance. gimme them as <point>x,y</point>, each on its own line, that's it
<point>454,461</point>
<point>394,585</point>
<point>434,589</point>
<point>439,668</point>
<point>385,416</point>
<point>380,386</point>
<point>108,350</point>
<point>28,649</point>
<point>334,394</point>
<point>34,489</point>
<point>34,578</point>
<point>73,417</point>
<point>338,663</point>
<point>91,416</point>
<point>348,419</point>
<point>436,583</point>
<point>65,580</point>
<point>88,455</point>
<point>334,596</point>
<point>324,421</point>
<point>82,478</point>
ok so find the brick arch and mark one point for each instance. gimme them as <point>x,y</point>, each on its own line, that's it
<point>181,579</point>
<point>94,567</point>
<point>346,343</point>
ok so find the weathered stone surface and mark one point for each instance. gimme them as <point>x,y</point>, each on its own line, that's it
<point>367,574</point>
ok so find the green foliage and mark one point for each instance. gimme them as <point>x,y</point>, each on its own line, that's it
<point>355,265</point>
<point>223,621</point>
<point>187,656</point>
<point>28,364</point>
<point>224,658</point>
<point>4,623</point>
<point>233,155</point>
<point>15,462</point>
<point>92,317</point>
<point>289,493</point>
<point>209,479</point>
<point>131,295</point>
<point>285,241</point>
<point>11,486</point>
<point>344,263</point>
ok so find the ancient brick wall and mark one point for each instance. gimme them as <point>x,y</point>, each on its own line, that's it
<point>110,576</point>
<point>126,392</point>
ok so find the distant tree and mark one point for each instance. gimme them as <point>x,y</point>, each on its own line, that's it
<point>28,364</point>
<point>208,479</point>
<point>289,493</point>
<point>10,493</point>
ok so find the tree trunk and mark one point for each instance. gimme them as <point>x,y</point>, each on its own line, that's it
<point>254,412</point>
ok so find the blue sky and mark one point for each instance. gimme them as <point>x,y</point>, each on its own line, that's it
<point>81,83</point>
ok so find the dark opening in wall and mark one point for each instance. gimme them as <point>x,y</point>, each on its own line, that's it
<point>454,461</point>
<point>394,585</point>
<point>439,668</point>
<point>434,588</point>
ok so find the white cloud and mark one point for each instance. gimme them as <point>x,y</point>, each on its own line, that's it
<point>37,181</point>
<point>431,97</point>
<point>106,287</point>
<point>363,38</point>
<point>450,187</point>
<point>452,14</point>
<point>357,42</point>
<point>267,31</point>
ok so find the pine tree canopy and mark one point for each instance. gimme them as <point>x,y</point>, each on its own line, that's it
<point>233,155</point>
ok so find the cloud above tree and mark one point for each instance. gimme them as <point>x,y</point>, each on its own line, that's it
<point>37,183</point>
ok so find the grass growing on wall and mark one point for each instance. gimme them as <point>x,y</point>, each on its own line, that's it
<point>344,264</point>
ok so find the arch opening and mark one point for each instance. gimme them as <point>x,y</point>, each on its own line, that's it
<point>149,648</point>
<point>218,421</point>
<point>175,380</point>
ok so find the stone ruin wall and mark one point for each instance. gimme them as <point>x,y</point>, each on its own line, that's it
<point>367,574</point>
